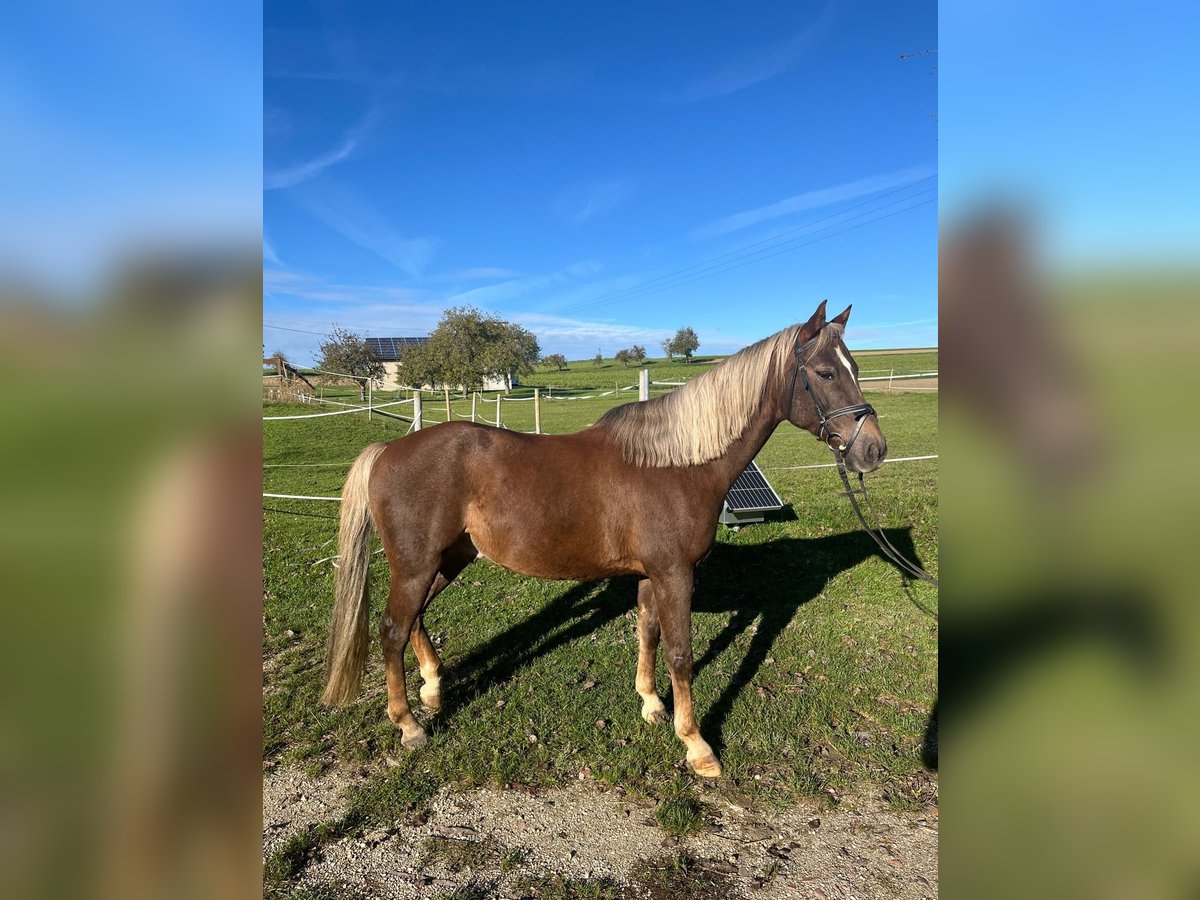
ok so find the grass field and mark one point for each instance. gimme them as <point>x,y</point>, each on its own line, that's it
<point>586,376</point>
<point>816,662</point>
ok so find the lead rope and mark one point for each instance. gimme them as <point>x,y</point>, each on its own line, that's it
<point>860,412</point>
<point>877,534</point>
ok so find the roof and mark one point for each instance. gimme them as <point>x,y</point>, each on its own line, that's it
<point>390,349</point>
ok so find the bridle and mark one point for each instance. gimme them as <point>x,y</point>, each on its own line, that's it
<point>860,411</point>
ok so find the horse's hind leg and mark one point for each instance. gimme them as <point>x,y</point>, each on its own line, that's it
<point>653,710</point>
<point>404,605</point>
<point>454,561</point>
<point>673,600</point>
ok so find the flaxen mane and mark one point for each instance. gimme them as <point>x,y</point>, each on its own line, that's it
<point>697,423</point>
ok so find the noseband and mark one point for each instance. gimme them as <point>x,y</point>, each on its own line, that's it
<point>860,411</point>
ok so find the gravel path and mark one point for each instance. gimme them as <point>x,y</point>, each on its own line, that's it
<point>862,849</point>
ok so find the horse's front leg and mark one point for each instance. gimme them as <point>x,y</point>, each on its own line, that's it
<point>653,710</point>
<point>673,601</point>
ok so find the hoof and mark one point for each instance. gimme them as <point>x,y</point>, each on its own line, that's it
<point>706,766</point>
<point>654,712</point>
<point>414,740</point>
<point>432,703</point>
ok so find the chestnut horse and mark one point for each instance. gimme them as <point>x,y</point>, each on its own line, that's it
<point>637,493</point>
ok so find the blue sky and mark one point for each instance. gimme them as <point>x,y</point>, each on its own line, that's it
<point>601,174</point>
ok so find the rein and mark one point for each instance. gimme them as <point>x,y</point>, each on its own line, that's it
<point>860,411</point>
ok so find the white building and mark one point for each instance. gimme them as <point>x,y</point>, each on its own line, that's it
<point>391,350</point>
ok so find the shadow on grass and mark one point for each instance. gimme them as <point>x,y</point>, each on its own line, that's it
<point>763,583</point>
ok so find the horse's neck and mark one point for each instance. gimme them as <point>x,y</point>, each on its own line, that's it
<point>742,451</point>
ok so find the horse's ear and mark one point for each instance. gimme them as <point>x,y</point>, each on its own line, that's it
<point>817,320</point>
<point>842,317</point>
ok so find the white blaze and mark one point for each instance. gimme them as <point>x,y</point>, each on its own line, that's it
<point>845,362</point>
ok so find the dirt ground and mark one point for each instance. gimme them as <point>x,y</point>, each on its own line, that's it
<point>862,849</point>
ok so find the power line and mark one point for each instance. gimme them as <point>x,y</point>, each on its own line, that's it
<point>776,237</point>
<point>757,256</point>
<point>297,330</point>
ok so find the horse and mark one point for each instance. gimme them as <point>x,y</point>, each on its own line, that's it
<point>637,493</point>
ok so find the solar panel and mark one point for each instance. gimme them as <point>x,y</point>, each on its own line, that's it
<point>390,349</point>
<point>750,494</point>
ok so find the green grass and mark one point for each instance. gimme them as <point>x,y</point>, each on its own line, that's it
<point>681,877</point>
<point>289,860</point>
<point>558,887</point>
<point>815,664</point>
<point>458,856</point>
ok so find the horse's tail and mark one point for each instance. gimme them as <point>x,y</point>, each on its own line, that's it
<point>346,653</point>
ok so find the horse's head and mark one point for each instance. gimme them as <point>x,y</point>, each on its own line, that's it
<point>826,399</point>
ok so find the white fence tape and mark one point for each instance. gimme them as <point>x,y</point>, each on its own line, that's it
<point>898,377</point>
<point>764,469</point>
<point>834,465</point>
<point>301,497</point>
<point>337,412</point>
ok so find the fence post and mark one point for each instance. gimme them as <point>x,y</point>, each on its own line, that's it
<point>537,411</point>
<point>499,421</point>
<point>891,373</point>
<point>368,399</point>
<point>644,384</point>
<point>447,389</point>
<point>416,410</point>
<point>474,398</point>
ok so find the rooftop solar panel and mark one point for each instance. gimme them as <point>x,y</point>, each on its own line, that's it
<point>390,349</point>
<point>750,494</point>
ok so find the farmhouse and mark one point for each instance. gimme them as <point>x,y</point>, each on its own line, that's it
<point>390,351</point>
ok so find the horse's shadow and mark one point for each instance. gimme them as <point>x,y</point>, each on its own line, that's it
<point>763,583</point>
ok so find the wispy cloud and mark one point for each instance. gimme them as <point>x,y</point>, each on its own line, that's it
<point>525,285</point>
<point>360,223</point>
<point>290,176</point>
<point>613,334</point>
<point>268,252</point>
<point>583,202</point>
<point>477,273</point>
<point>811,200</point>
<point>283,282</point>
<point>762,65</point>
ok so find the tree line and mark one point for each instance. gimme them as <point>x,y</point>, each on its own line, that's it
<point>683,344</point>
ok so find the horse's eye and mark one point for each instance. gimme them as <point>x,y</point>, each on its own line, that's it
<point>825,375</point>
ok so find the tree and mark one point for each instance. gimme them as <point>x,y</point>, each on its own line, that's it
<point>684,344</point>
<point>623,357</point>
<point>637,353</point>
<point>598,361</point>
<point>668,346</point>
<point>348,354</point>
<point>469,346</point>
<point>556,360</point>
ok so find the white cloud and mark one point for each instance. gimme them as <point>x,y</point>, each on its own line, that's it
<point>839,193</point>
<point>528,284</point>
<point>761,65</point>
<point>290,176</point>
<point>583,202</point>
<point>360,223</point>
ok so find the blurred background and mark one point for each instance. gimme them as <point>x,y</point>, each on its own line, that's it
<point>130,296</point>
<point>1069,270</point>
<point>130,292</point>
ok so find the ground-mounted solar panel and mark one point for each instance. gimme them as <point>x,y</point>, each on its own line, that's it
<point>750,497</point>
